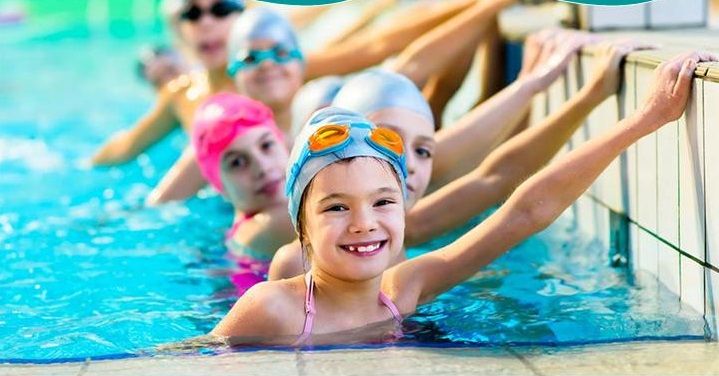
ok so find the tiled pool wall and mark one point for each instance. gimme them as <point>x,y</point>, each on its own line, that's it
<point>657,206</point>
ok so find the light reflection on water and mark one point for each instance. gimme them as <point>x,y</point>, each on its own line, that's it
<point>87,270</point>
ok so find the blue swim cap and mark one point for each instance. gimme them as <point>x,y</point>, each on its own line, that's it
<point>304,165</point>
<point>378,89</point>
<point>259,23</point>
<point>313,96</point>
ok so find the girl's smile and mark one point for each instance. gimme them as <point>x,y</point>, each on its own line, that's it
<point>365,249</point>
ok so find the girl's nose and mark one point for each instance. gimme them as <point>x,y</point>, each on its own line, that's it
<point>362,221</point>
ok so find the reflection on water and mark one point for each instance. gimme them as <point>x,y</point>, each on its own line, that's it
<point>87,270</point>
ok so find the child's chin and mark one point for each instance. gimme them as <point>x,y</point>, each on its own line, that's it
<point>367,272</point>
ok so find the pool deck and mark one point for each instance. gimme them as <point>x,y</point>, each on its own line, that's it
<point>657,358</point>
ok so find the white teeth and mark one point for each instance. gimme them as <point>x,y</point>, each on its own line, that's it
<point>365,248</point>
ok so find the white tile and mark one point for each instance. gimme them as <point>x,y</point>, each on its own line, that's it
<point>667,13</point>
<point>586,218</point>
<point>691,176</point>
<point>692,284</point>
<point>711,310</point>
<point>646,161</point>
<point>711,122</point>
<point>574,76</point>
<point>668,183</point>
<point>634,246</point>
<point>557,93</point>
<point>648,248</point>
<point>539,108</point>
<point>557,96</point>
<point>647,182</point>
<point>628,163</point>
<point>630,186</point>
<point>607,188</point>
<point>608,17</point>
<point>601,215</point>
<point>668,265</point>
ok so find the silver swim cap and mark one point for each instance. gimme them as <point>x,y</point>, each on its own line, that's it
<point>378,89</point>
<point>259,23</point>
<point>314,95</point>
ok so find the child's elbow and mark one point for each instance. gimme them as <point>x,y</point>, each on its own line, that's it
<point>535,213</point>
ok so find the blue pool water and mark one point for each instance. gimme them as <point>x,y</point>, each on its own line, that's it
<point>87,271</point>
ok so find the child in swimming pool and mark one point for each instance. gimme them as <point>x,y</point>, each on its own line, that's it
<point>242,153</point>
<point>346,193</point>
<point>267,64</point>
<point>390,100</point>
<point>159,65</point>
<point>203,26</point>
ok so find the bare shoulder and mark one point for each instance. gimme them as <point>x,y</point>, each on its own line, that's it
<point>268,309</point>
<point>268,231</point>
<point>399,284</point>
<point>287,261</point>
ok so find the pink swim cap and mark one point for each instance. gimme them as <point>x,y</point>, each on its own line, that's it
<point>221,119</point>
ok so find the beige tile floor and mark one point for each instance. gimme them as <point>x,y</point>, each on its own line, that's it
<point>655,359</point>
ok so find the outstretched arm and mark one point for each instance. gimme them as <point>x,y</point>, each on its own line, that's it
<point>515,160</point>
<point>151,128</point>
<point>542,198</point>
<point>182,180</point>
<point>360,53</point>
<point>373,10</point>
<point>437,49</point>
<point>461,147</point>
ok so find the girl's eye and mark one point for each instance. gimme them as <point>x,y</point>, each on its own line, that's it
<point>384,202</point>
<point>250,59</point>
<point>237,162</point>
<point>267,145</point>
<point>423,153</point>
<point>336,208</point>
<point>281,52</point>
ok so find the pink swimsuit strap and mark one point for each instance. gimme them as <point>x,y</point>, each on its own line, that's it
<point>231,232</point>
<point>310,310</point>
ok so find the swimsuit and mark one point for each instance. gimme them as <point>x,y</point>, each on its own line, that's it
<point>310,311</point>
<point>251,268</point>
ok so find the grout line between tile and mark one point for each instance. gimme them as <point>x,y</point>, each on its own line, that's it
<point>84,367</point>
<point>524,361</point>
<point>300,363</point>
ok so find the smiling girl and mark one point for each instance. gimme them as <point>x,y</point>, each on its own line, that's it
<point>392,101</point>
<point>346,187</point>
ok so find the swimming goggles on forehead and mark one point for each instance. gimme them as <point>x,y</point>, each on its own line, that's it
<point>220,9</point>
<point>332,138</point>
<point>249,59</point>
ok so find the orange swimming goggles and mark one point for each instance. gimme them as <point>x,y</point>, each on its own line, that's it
<point>331,138</point>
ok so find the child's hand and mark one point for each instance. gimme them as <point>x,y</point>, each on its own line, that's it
<point>672,84</point>
<point>557,52</point>
<point>533,46</point>
<point>607,75</point>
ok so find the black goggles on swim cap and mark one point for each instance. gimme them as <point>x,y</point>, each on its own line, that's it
<point>220,9</point>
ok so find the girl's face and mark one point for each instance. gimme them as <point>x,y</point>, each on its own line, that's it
<point>271,83</point>
<point>252,170</point>
<point>354,219</point>
<point>418,136</point>
<point>207,36</point>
